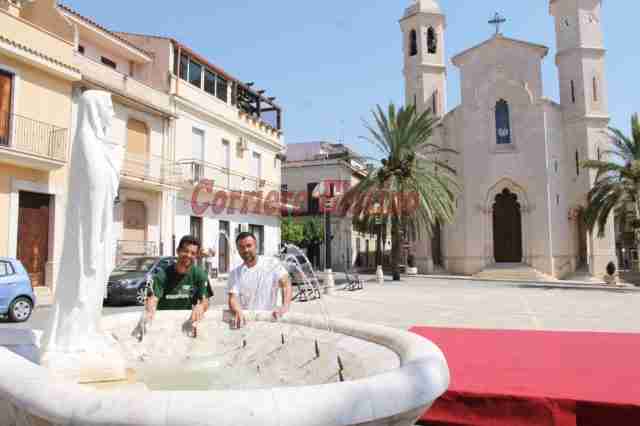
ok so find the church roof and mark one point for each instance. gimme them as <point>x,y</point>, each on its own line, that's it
<point>499,38</point>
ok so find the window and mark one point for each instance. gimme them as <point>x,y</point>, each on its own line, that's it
<point>81,49</point>
<point>413,43</point>
<point>434,103</point>
<point>284,188</point>
<point>108,62</point>
<point>195,74</point>
<point>221,88</point>
<point>209,82</point>
<point>258,232</point>
<point>6,269</point>
<point>577,163</point>
<point>6,93</point>
<point>137,141</point>
<point>184,66</point>
<point>555,165</point>
<point>257,165</point>
<point>503,125</point>
<point>313,205</point>
<point>557,199</point>
<point>595,89</point>
<point>573,92</point>
<point>432,41</point>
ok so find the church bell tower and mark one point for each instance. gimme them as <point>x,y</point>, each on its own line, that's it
<point>423,27</point>
<point>583,97</point>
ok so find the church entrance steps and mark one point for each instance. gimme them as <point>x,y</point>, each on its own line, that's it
<point>513,272</point>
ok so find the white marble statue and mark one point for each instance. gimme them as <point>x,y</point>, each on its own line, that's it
<point>88,248</point>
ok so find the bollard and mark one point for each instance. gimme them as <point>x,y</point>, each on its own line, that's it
<point>379,275</point>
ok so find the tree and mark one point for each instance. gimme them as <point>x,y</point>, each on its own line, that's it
<point>414,187</point>
<point>292,231</point>
<point>313,231</point>
<point>617,183</point>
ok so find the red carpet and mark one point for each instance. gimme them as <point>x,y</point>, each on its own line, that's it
<point>535,378</point>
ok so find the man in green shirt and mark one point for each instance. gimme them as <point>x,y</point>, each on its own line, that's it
<point>182,286</point>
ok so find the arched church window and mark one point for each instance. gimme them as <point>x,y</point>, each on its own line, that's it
<point>413,43</point>
<point>503,123</point>
<point>595,89</point>
<point>432,41</point>
<point>573,92</point>
<point>434,103</point>
<point>577,163</point>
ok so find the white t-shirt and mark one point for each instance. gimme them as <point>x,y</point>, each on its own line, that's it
<point>257,287</point>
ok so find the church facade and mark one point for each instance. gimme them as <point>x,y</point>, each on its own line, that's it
<point>518,158</point>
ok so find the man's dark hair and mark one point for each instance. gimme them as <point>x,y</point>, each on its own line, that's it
<point>243,235</point>
<point>188,240</point>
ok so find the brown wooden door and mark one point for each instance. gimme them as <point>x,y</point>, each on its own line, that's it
<point>6,81</point>
<point>33,235</point>
<point>507,228</point>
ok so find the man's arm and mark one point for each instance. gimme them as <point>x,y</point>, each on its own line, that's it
<point>285,285</point>
<point>236,310</point>
<point>157,290</point>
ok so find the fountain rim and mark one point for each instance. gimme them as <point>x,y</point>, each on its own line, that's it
<point>422,377</point>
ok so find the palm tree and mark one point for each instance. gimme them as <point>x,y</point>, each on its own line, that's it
<point>617,183</point>
<point>414,186</point>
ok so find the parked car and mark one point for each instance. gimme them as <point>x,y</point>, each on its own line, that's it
<point>128,281</point>
<point>17,298</point>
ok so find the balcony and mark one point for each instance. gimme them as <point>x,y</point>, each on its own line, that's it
<point>194,171</point>
<point>150,172</point>
<point>28,142</point>
<point>123,84</point>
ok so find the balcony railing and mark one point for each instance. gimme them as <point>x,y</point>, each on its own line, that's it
<point>33,137</point>
<point>194,171</point>
<point>151,168</point>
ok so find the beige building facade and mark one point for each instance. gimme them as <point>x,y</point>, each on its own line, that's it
<point>228,143</point>
<point>310,164</point>
<point>37,74</point>
<point>519,152</point>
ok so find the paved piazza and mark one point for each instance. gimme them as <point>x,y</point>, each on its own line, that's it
<point>462,303</point>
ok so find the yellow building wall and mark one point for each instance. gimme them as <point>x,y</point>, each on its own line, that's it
<point>39,95</point>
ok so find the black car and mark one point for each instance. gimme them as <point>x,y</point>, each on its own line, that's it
<point>128,281</point>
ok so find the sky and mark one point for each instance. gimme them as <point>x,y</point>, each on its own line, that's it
<point>330,62</point>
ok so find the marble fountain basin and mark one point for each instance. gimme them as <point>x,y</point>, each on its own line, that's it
<point>244,377</point>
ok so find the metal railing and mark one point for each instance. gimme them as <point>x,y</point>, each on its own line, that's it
<point>151,168</point>
<point>194,171</point>
<point>33,137</point>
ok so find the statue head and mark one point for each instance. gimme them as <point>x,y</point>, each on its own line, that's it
<point>96,111</point>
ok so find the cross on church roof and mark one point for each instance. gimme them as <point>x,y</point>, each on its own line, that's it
<point>497,21</point>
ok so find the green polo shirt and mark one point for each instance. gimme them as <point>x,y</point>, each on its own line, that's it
<point>180,291</point>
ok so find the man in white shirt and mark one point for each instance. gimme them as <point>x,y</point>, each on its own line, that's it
<point>254,284</point>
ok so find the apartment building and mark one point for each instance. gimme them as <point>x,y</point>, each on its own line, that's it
<point>228,140</point>
<point>37,75</point>
<point>306,166</point>
<point>143,122</point>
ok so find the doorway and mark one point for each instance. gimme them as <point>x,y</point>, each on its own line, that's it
<point>33,234</point>
<point>507,228</point>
